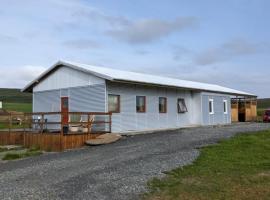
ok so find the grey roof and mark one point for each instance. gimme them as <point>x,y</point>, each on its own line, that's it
<point>135,77</point>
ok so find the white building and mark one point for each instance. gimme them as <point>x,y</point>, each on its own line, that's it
<point>138,101</point>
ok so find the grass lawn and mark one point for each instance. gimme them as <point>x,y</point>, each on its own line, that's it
<point>238,168</point>
<point>18,154</point>
<point>18,107</point>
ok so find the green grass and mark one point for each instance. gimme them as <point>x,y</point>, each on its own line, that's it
<point>238,168</point>
<point>28,153</point>
<point>263,103</point>
<point>14,96</point>
<point>18,107</point>
<point>3,149</point>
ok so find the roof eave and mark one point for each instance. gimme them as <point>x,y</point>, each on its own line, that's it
<point>186,88</point>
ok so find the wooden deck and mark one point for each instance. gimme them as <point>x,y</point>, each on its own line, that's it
<point>50,134</point>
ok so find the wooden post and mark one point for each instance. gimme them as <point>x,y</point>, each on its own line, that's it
<point>24,129</point>
<point>61,133</point>
<point>110,124</point>
<point>88,125</point>
<point>42,123</point>
<point>9,127</point>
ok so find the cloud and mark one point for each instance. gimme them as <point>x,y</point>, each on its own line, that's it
<point>227,51</point>
<point>142,52</point>
<point>6,39</point>
<point>81,44</point>
<point>180,52</point>
<point>93,14</point>
<point>148,30</point>
<point>17,77</point>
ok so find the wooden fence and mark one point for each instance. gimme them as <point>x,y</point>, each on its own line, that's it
<point>49,132</point>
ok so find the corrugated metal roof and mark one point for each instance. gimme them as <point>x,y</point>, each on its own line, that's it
<point>127,76</point>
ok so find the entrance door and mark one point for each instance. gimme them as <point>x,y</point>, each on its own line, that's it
<point>64,109</point>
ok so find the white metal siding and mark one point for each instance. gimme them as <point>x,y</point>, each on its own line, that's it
<point>81,99</point>
<point>219,117</point>
<point>48,101</point>
<point>65,77</point>
<point>87,99</point>
<point>129,120</point>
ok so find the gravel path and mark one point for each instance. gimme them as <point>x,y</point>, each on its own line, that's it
<point>115,171</point>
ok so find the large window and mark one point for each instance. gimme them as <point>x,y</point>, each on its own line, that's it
<point>225,106</point>
<point>114,103</point>
<point>140,103</point>
<point>162,104</point>
<point>181,106</point>
<point>211,106</point>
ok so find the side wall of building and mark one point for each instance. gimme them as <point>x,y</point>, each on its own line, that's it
<point>89,98</point>
<point>218,117</point>
<point>65,77</point>
<point>129,120</point>
<point>86,93</point>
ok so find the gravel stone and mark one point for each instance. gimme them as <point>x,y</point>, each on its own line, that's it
<point>115,171</point>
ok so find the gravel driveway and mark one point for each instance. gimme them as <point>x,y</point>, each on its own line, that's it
<point>115,171</point>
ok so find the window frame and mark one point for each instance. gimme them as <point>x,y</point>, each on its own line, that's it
<point>184,103</point>
<point>165,98</point>
<point>118,103</point>
<point>211,105</point>
<point>144,106</point>
<point>225,106</point>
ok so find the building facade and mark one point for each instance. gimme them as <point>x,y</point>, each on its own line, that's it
<point>136,105</point>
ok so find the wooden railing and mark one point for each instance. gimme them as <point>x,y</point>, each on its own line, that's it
<point>41,122</point>
<point>50,132</point>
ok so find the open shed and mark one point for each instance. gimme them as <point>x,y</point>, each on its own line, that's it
<point>244,109</point>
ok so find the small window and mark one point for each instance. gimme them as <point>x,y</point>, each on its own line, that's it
<point>114,103</point>
<point>181,105</point>
<point>162,104</point>
<point>225,106</point>
<point>211,106</point>
<point>140,103</point>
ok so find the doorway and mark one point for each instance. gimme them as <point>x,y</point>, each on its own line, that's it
<point>64,110</point>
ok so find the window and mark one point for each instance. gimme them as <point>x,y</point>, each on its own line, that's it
<point>114,103</point>
<point>140,103</point>
<point>225,106</point>
<point>162,104</point>
<point>211,106</point>
<point>181,105</point>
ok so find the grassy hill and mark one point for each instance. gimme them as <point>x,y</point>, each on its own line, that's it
<point>15,100</point>
<point>264,103</point>
<point>14,96</point>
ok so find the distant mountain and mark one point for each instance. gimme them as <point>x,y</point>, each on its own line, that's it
<point>264,103</point>
<point>14,96</point>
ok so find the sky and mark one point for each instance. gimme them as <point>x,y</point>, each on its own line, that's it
<point>211,41</point>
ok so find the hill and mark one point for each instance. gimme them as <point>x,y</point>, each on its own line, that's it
<point>263,103</point>
<point>14,96</point>
<point>15,100</point>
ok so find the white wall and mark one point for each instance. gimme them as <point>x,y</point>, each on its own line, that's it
<point>218,117</point>
<point>129,120</point>
<point>65,77</point>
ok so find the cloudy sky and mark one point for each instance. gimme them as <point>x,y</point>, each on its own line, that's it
<point>214,41</point>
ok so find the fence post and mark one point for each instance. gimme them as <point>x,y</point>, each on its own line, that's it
<point>24,129</point>
<point>88,125</point>
<point>110,124</point>
<point>9,127</point>
<point>42,122</point>
<point>61,132</point>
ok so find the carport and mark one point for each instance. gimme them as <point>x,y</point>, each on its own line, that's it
<point>244,109</point>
